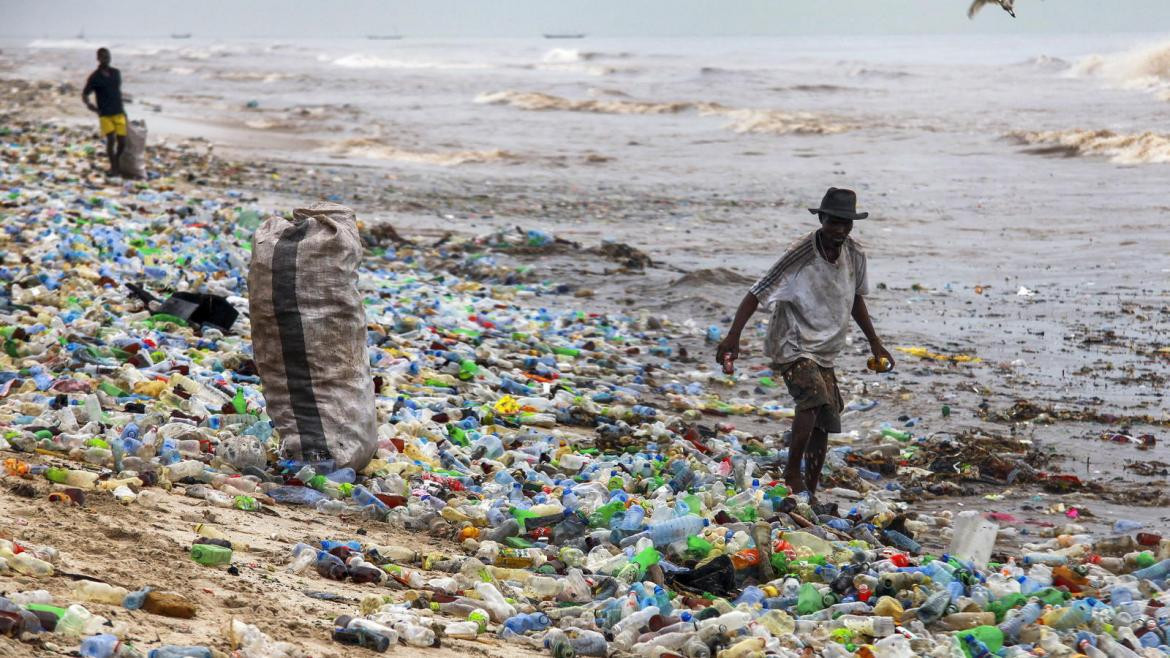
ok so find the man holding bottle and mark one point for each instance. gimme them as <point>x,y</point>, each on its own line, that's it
<point>812,291</point>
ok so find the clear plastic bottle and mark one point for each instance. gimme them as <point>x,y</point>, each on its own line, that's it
<point>87,590</point>
<point>464,630</point>
<point>415,635</point>
<point>494,602</point>
<point>28,565</point>
<point>33,596</point>
<point>75,622</point>
<point>303,557</point>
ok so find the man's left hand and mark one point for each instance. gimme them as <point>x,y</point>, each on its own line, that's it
<point>880,352</point>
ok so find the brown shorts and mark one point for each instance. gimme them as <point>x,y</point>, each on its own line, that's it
<point>814,387</point>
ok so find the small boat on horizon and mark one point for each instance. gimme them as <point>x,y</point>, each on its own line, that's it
<point>180,35</point>
<point>564,35</point>
<point>384,37</point>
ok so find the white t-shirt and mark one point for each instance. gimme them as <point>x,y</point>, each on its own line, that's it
<point>811,301</point>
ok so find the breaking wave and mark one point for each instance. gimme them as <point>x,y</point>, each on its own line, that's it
<point>1146,68</point>
<point>773,122</point>
<point>569,55</point>
<point>252,76</point>
<point>577,60</point>
<point>365,61</point>
<point>61,44</point>
<point>862,72</point>
<point>373,149</point>
<point>1120,148</point>
<point>1047,63</point>
<point>539,101</point>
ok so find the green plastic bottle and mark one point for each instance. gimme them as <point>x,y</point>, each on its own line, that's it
<point>468,369</point>
<point>56,474</point>
<point>601,516</point>
<point>522,516</point>
<point>1144,559</point>
<point>990,636</point>
<point>646,559</point>
<point>1051,596</point>
<point>457,434</point>
<point>809,599</point>
<point>896,434</point>
<point>44,607</point>
<point>697,547</point>
<point>210,555</point>
<point>779,563</point>
<point>1001,606</point>
<point>247,503</point>
<point>239,403</point>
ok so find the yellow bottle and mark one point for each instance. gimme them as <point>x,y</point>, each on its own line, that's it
<point>888,606</point>
<point>110,485</point>
<point>753,647</point>
<point>778,622</point>
<point>80,479</point>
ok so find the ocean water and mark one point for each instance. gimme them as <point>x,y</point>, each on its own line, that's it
<point>965,134</point>
<point>662,107</point>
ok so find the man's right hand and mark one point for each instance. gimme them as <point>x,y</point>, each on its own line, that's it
<point>729,345</point>
<point>92,108</point>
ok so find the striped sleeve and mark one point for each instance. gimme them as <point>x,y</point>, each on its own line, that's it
<point>797,255</point>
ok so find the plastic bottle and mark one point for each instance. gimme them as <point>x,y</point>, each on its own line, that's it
<point>1079,612</point>
<point>303,556</point>
<point>494,602</point>
<point>523,623</point>
<point>99,646</point>
<point>415,635</point>
<point>75,622</point>
<point>1028,614</point>
<point>464,630</point>
<point>871,626</point>
<point>669,532</point>
<point>28,565</point>
<point>209,555</point>
<point>361,637</point>
<point>87,590</point>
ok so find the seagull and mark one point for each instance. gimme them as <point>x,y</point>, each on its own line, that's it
<point>978,4</point>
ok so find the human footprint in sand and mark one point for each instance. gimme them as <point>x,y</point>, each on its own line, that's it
<point>813,290</point>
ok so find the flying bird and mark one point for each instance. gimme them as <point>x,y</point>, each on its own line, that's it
<point>978,4</point>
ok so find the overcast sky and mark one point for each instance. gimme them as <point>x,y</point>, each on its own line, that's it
<point>510,18</point>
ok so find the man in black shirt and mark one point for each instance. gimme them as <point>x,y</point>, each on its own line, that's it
<point>106,85</point>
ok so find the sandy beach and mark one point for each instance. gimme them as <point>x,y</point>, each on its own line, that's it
<point>1028,301</point>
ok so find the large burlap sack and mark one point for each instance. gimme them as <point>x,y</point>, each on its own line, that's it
<point>309,335</point>
<point>132,163</point>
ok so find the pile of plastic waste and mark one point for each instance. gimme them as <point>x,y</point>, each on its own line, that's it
<point>601,500</point>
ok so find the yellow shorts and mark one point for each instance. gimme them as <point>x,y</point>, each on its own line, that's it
<point>114,123</point>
